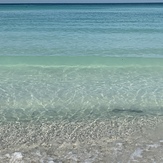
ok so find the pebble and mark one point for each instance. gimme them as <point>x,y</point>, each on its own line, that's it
<point>7,155</point>
<point>50,161</point>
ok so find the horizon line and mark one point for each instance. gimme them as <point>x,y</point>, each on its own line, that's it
<point>81,3</point>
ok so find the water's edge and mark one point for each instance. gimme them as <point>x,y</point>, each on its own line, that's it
<point>79,61</point>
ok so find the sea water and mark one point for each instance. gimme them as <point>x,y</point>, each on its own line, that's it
<point>81,83</point>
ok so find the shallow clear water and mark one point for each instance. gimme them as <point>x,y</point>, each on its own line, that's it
<point>81,83</point>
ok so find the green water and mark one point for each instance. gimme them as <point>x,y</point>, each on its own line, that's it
<point>89,87</point>
<point>87,61</point>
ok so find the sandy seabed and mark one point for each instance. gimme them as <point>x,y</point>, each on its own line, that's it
<point>117,140</point>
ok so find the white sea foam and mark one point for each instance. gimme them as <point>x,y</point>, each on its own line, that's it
<point>156,145</point>
<point>136,154</point>
<point>16,157</point>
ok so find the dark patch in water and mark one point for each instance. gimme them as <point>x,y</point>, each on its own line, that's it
<point>136,111</point>
<point>127,110</point>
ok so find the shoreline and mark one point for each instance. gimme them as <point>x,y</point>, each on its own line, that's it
<point>112,139</point>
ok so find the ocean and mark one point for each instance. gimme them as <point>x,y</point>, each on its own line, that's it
<point>81,83</point>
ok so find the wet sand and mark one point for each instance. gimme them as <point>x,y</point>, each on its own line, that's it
<point>119,139</point>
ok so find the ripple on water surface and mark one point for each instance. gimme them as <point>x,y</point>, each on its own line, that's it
<point>75,107</point>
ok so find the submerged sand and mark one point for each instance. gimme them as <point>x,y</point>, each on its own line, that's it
<point>118,139</point>
<point>80,113</point>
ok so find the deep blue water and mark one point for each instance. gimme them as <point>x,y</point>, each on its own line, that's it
<point>101,30</point>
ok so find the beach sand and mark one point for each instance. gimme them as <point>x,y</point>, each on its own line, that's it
<point>119,139</point>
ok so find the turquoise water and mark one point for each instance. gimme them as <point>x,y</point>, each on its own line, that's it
<point>101,30</point>
<point>81,83</point>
